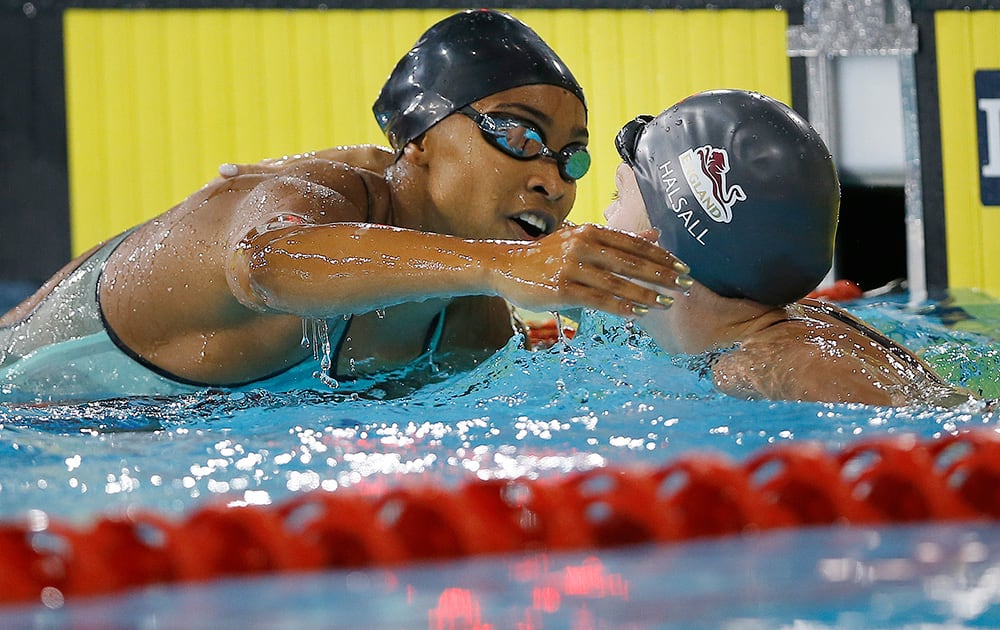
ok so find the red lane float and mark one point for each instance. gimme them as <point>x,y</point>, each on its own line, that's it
<point>839,291</point>
<point>874,481</point>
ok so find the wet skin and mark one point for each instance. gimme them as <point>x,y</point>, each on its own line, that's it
<point>801,351</point>
<point>214,289</point>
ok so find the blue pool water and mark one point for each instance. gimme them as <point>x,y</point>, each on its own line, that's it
<point>609,397</point>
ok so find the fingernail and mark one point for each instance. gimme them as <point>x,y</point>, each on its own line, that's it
<point>228,170</point>
<point>639,310</point>
<point>680,267</point>
<point>664,300</point>
<point>684,282</point>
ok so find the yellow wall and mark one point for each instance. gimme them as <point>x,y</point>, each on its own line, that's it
<point>157,99</point>
<point>966,41</point>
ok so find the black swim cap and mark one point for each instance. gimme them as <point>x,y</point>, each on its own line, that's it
<point>459,60</point>
<point>742,189</point>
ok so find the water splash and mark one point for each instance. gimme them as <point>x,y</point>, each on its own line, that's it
<point>609,396</point>
<point>323,352</point>
<point>304,342</point>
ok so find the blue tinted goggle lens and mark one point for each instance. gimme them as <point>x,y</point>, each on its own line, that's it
<point>520,141</point>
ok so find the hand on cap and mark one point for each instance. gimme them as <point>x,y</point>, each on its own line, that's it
<point>594,267</point>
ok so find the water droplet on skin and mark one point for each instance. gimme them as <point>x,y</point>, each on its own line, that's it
<point>323,351</point>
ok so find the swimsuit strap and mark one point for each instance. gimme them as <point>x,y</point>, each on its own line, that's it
<point>892,346</point>
<point>434,334</point>
<point>432,341</point>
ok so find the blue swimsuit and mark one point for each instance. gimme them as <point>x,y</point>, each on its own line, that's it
<point>63,350</point>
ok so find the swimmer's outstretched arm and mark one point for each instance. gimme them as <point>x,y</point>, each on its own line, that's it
<point>337,257</point>
<point>340,268</point>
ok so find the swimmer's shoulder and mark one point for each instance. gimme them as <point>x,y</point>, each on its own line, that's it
<point>801,370</point>
<point>353,173</point>
<point>812,322</point>
<point>799,357</point>
<point>365,189</point>
<point>823,353</point>
<point>366,160</point>
<point>369,157</point>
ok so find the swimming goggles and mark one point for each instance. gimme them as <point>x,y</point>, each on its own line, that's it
<point>518,140</point>
<point>627,140</point>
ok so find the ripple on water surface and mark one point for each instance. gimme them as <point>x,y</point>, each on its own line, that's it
<point>608,397</point>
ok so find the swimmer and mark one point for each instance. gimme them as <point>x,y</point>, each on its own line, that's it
<point>393,254</point>
<point>745,192</point>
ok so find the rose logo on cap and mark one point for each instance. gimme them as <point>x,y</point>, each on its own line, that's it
<point>705,169</point>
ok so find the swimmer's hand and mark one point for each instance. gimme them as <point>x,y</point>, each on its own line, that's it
<point>367,156</point>
<point>269,166</point>
<point>593,267</point>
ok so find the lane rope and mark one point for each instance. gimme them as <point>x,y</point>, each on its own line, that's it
<point>882,480</point>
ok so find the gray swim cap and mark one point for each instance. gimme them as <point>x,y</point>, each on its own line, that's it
<point>742,189</point>
<point>459,60</point>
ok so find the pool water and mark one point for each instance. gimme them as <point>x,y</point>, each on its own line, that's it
<point>607,398</point>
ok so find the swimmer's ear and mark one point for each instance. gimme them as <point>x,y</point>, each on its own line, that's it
<point>415,152</point>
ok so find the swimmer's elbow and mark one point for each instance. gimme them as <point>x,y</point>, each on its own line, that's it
<point>247,276</point>
<point>258,269</point>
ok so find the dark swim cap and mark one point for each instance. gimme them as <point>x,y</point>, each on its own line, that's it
<point>459,60</point>
<point>742,189</point>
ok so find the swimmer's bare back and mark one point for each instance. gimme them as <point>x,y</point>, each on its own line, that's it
<point>820,353</point>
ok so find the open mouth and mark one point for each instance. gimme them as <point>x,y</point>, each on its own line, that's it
<point>534,224</point>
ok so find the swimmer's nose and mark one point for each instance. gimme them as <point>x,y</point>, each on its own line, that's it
<point>547,181</point>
